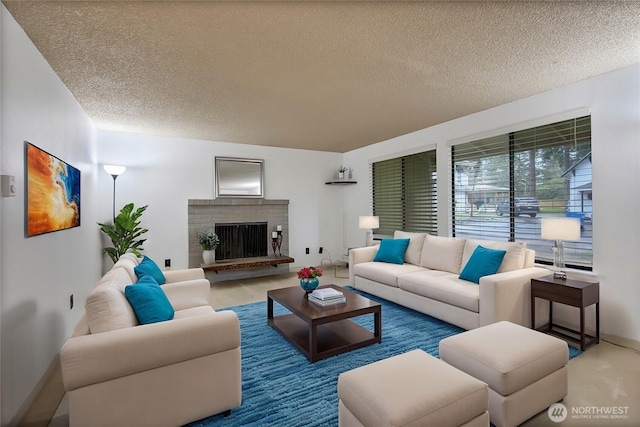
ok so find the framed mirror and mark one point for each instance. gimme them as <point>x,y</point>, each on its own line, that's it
<point>237,177</point>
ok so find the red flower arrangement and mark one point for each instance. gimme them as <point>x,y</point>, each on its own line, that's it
<point>309,272</point>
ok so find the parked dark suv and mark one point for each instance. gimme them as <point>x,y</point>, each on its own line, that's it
<point>522,206</point>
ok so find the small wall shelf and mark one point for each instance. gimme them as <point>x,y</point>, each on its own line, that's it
<point>343,182</point>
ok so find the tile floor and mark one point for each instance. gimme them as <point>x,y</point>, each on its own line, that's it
<point>603,378</point>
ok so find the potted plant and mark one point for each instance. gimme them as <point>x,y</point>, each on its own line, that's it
<point>209,242</point>
<point>125,232</point>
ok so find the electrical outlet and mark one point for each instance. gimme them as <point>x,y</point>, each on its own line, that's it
<point>307,251</point>
<point>71,302</point>
<point>167,263</point>
<point>320,251</point>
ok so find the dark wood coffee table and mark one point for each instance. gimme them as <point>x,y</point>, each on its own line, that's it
<point>320,332</point>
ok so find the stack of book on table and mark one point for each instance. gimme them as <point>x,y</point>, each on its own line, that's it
<point>327,296</point>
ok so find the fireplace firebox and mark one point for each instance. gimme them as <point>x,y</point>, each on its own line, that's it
<point>241,240</point>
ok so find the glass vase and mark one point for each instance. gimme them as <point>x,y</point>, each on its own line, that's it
<point>309,284</point>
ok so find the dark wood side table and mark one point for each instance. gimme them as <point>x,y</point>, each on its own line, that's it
<point>576,293</point>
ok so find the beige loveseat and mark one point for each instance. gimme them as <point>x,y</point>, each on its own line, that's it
<point>118,373</point>
<point>428,280</point>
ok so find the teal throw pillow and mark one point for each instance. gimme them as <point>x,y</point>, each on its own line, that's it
<point>392,251</point>
<point>483,262</point>
<point>149,301</point>
<point>149,268</point>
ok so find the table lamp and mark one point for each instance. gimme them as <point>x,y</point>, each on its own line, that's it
<point>560,229</point>
<point>368,223</point>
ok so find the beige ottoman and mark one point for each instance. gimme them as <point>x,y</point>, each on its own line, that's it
<point>525,369</point>
<point>412,389</point>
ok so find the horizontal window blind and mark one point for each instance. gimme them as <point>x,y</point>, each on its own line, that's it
<point>404,193</point>
<point>504,185</point>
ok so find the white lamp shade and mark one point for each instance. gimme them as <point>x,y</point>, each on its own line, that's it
<point>115,170</point>
<point>561,228</point>
<point>369,222</point>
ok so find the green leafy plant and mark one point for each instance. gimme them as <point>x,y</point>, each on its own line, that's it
<point>208,240</point>
<point>125,232</point>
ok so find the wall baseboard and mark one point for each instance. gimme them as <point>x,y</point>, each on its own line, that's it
<point>621,341</point>
<point>41,405</point>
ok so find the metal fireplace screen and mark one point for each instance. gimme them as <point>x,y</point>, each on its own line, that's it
<point>241,240</point>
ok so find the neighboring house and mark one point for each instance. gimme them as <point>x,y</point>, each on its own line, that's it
<point>579,176</point>
<point>477,195</point>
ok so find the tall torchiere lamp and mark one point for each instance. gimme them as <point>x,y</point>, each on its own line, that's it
<point>560,229</point>
<point>368,223</point>
<point>115,172</point>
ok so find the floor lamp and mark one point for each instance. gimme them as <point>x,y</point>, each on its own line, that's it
<point>368,223</point>
<point>115,172</point>
<point>560,229</point>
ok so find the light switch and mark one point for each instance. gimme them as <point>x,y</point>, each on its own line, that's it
<point>8,185</point>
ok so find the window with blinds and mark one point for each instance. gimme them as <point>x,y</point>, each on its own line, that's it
<point>504,185</point>
<point>404,193</point>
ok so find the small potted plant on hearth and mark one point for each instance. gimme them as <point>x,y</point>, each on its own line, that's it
<point>209,242</point>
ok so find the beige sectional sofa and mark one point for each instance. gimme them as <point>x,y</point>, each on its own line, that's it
<point>117,372</point>
<point>429,282</point>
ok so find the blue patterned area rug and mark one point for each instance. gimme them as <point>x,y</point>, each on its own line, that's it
<point>281,388</point>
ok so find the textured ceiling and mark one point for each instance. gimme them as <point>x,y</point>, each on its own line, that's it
<point>330,76</point>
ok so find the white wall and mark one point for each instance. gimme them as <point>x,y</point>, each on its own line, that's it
<point>2,13</point>
<point>165,173</point>
<point>40,273</point>
<point>614,101</point>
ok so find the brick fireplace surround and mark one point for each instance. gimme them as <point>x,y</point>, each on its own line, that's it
<point>203,214</point>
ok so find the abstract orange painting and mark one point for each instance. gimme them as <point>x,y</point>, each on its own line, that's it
<point>53,192</point>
